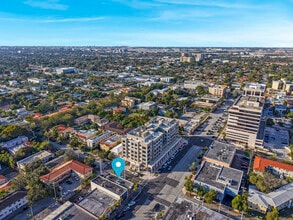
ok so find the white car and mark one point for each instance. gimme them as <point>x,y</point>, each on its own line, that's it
<point>197,198</point>
<point>132,203</point>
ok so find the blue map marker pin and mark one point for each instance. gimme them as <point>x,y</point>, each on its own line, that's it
<point>118,165</point>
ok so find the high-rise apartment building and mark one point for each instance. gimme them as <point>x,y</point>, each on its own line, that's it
<point>244,124</point>
<point>151,145</point>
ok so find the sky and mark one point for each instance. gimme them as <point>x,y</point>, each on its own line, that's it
<point>190,23</point>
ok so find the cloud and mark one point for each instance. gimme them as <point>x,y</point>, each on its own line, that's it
<point>182,15</point>
<point>71,20</point>
<point>209,3</point>
<point>61,20</point>
<point>47,4</point>
<point>139,4</point>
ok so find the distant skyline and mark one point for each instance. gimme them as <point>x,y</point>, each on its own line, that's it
<point>181,23</point>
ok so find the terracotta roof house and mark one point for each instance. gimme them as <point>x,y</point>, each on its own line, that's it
<point>3,179</point>
<point>262,164</point>
<point>64,171</point>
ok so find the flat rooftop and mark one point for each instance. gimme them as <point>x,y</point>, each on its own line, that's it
<point>255,86</point>
<point>221,152</point>
<point>40,155</point>
<point>182,208</point>
<point>249,102</point>
<point>69,211</point>
<point>219,176</point>
<point>113,187</point>
<point>123,182</point>
<point>97,202</point>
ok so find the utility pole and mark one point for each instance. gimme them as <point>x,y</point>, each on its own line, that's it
<point>32,210</point>
<point>101,168</point>
<point>54,192</point>
<point>220,206</point>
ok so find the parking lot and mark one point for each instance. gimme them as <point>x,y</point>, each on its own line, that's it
<point>68,187</point>
<point>241,162</point>
<point>215,121</point>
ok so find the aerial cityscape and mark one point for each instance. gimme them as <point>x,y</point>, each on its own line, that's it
<point>146,110</point>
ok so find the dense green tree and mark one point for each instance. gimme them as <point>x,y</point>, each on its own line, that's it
<point>201,191</point>
<point>240,203</point>
<point>210,196</point>
<point>12,131</point>
<point>189,185</point>
<point>200,90</point>
<point>272,215</point>
<point>3,193</point>
<point>19,182</point>
<point>89,160</point>
<point>70,155</point>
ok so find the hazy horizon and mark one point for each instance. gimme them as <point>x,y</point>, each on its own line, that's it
<point>154,23</point>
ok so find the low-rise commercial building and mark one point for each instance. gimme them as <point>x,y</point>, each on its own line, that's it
<point>224,180</point>
<point>72,211</point>
<point>98,203</point>
<point>45,156</point>
<point>220,153</point>
<point>117,188</point>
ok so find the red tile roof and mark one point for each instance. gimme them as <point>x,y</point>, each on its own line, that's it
<point>66,167</point>
<point>261,163</point>
<point>2,178</point>
<point>6,186</point>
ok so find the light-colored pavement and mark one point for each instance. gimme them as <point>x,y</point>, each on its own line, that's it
<point>37,207</point>
<point>171,189</point>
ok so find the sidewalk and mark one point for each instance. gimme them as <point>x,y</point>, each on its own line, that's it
<point>227,211</point>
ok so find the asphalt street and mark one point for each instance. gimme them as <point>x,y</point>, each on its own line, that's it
<point>165,188</point>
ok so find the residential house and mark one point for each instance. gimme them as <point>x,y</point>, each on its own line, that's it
<point>12,204</point>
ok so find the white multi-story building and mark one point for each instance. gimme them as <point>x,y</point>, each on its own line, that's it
<point>12,203</point>
<point>244,124</point>
<point>151,145</point>
<point>36,80</point>
<point>66,70</point>
<point>254,89</point>
<point>147,105</point>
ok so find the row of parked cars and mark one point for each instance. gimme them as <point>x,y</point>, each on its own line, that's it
<point>168,162</point>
